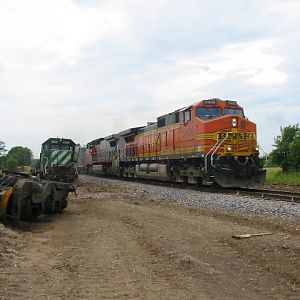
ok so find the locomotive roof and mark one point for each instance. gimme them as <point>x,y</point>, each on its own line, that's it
<point>112,137</point>
<point>170,118</point>
<point>130,131</point>
<point>215,101</point>
<point>153,125</point>
<point>96,141</point>
<point>60,140</point>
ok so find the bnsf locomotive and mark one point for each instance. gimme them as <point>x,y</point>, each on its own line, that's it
<point>208,142</point>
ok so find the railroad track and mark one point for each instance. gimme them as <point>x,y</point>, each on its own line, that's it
<point>279,195</point>
<point>272,194</point>
<point>269,194</point>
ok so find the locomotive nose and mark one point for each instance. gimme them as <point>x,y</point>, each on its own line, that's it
<point>234,122</point>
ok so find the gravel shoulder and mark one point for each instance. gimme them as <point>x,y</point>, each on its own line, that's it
<point>126,240</point>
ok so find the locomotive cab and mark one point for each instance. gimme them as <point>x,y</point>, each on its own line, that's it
<point>216,108</point>
<point>230,145</point>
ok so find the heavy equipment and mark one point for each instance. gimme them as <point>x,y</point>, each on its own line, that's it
<point>23,197</point>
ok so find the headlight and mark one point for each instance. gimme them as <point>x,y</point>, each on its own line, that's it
<point>234,122</point>
<point>257,148</point>
<point>229,148</point>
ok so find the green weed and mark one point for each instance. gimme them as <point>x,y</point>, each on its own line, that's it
<point>276,176</point>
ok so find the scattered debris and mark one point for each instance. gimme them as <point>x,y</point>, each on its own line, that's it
<point>249,235</point>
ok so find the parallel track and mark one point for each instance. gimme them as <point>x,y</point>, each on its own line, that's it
<point>273,194</point>
<point>269,194</point>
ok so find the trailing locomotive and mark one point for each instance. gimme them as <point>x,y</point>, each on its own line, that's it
<point>57,160</point>
<point>208,142</point>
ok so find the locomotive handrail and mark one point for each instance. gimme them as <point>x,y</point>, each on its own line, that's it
<point>45,167</point>
<point>212,158</point>
<point>205,159</point>
<point>214,149</point>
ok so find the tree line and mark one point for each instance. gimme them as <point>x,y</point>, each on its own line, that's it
<point>15,157</point>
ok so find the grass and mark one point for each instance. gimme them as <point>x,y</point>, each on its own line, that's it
<point>276,176</point>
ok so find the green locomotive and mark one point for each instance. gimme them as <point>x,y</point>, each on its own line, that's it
<point>58,159</point>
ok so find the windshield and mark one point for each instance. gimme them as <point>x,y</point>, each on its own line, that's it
<point>208,112</point>
<point>233,111</point>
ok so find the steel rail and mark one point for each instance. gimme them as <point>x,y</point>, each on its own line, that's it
<point>279,195</point>
<point>273,194</point>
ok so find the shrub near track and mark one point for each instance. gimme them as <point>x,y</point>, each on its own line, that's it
<point>276,176</point>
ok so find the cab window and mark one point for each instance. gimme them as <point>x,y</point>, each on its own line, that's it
<point>187,116</point>
<point>233,111</point>
<point>208,112</point>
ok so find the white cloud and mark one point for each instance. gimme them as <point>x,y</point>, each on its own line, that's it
<point>256,63</point>
<point>287,14</point>
<point>34,30</point>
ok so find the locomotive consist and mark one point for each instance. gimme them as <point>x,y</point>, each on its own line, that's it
<point>208,142</point>
<point>58,159</point>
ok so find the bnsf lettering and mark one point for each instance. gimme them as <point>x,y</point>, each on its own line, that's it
<point>232,135</point>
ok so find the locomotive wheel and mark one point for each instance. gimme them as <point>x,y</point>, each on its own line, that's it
<point>199,181</point>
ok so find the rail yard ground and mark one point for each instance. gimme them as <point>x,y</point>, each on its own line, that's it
<point>125,240</point>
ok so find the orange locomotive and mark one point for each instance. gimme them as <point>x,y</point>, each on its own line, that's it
<point>209,141</point>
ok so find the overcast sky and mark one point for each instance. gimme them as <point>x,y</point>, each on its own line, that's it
<point>84,69</point>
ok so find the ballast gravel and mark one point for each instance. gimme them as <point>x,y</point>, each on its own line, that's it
<point>215,201</point>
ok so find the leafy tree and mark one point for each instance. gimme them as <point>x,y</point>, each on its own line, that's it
<point>2,154</point>
<point>287,145</point>
<point>295,153</point>
<point>22,155</point>
<point>11,163</point>
<point>2,148</point>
